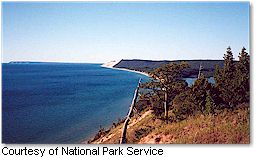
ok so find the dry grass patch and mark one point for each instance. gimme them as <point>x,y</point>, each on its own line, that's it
<point>228,127</point>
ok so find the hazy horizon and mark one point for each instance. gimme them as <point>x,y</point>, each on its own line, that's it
<point>110,61</point>
<point>98,32</point>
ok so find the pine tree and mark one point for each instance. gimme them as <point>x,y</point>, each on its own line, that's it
<point>225,80</point>
<point>210,105</point>
<point>243,77</point>
<point>199,92</point>
<point>229,65</point>
<point>167,83</point>
<point>233,80</point>
<point>217,75</point>
<point>196,99</point>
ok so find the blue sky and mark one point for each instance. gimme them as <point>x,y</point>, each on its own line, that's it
<point>100,32</point>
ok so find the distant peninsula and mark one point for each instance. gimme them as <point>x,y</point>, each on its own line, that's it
<point>150,65</point>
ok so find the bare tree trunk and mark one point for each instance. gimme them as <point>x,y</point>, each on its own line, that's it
<point>123,136</point>
<point>165,107</point>
<point>199,72</point>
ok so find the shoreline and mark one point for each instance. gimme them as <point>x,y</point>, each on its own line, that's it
<point>85,141</point>
<point>112,67</point>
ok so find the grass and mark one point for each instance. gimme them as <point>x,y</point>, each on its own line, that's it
<point>227,127</point>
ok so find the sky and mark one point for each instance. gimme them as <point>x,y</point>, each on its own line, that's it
<point>104,31</point>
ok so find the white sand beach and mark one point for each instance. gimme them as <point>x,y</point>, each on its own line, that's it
<point>111,65</point>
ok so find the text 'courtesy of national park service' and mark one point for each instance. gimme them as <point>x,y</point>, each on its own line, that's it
<point>77,151</point>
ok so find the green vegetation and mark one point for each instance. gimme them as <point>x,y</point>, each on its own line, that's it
<point>167,84</point>
<point>233,80</point>
<point>191,71</point>
<point>230,91</point>
<point>202,113</point>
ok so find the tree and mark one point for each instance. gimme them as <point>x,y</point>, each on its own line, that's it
<point>217,75</point>
<point>167,83</point>
<point>184,105</point>
<point>199,92</point>
<point>232,82</point>
<point>225,79</point>
<point>209,105</point>
<point>229,65</point>
<point>243,77</point>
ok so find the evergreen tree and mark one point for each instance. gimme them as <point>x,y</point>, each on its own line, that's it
<point>196,99</point>
<point>217,75</point>
<point>210,105</point>
<point>184,105</point>
<point>199,92</point>
<point>167,83</point>
<point>229,65</point>
<point>232,82</point>
<point>243,77</point>
<point>225,79</point>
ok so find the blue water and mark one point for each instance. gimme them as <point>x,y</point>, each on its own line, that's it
<point>62,103</point>
<point>191,81</point>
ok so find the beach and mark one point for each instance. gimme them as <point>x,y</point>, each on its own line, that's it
<point>111,65</point>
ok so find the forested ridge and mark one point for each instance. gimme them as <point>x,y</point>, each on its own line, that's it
<point>191,71</point>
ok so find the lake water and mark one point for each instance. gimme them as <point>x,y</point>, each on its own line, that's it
<point>62,103</point>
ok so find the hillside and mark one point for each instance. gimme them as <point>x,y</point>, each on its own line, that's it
<point>149,65</point>
<point>226,127</point>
